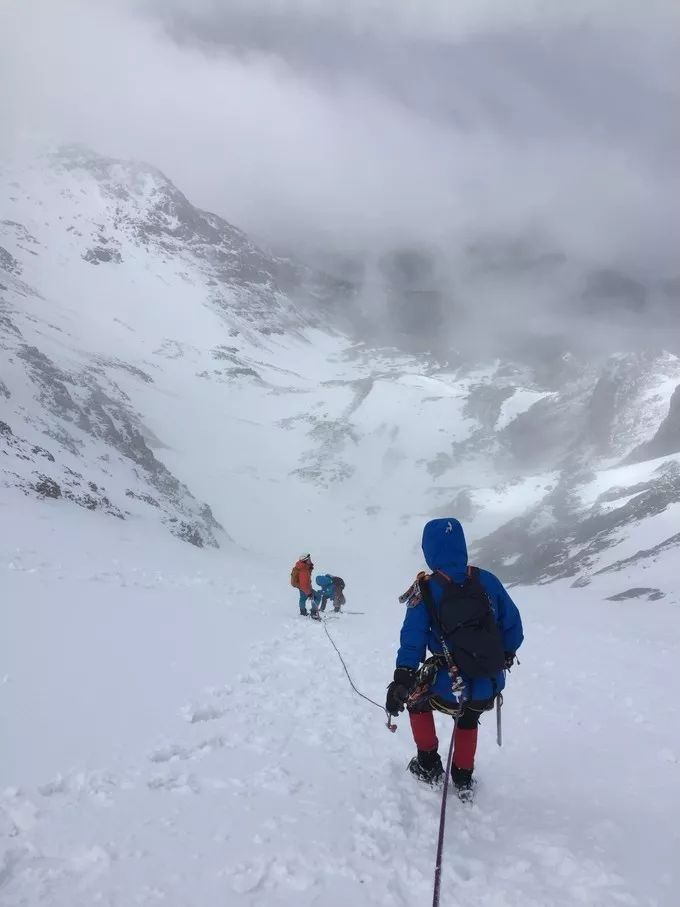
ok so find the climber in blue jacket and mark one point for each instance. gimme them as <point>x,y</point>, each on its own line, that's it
<point>331,590</point>
<point>467,613</point>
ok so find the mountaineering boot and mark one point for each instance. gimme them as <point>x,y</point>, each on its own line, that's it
<point>463,783</point>
<point>337,610</point>
<point>315,615</point>
<point>427,766</point>
<point>304,613</point>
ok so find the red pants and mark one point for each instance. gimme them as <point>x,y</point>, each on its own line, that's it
<point>465,739</point>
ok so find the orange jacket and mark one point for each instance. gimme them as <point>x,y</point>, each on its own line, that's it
<point>305,576</point>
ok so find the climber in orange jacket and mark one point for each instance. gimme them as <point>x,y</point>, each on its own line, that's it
<point>301,579</point>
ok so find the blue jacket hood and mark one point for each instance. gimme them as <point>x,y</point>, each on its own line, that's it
<point>444,546</point>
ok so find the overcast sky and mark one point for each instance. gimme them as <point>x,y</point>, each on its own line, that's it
<point>363,123</point>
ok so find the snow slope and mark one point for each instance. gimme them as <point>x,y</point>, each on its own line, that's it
<point>187,739</point>
<point>177,734</point>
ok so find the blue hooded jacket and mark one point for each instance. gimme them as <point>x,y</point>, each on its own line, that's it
<point>445,549</point>
<point>325,581</point>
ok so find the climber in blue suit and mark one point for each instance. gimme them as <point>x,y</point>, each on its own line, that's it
<point>331,590</point>
<point>458,586</point>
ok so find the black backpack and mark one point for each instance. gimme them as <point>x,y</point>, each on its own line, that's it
<point>338,586</point>
<point>467,624</point>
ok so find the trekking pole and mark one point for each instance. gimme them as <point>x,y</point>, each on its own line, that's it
<point>499,705</point>
<point>442,822</point>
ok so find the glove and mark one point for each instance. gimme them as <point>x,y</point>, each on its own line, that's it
<point>398,691</point>
<point>510,660</point>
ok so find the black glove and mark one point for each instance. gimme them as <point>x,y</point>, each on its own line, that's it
<point>510,658</point>
<point>398,691</point>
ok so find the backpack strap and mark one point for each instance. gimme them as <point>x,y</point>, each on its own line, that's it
<point>474,577</point>
<point>426,594</point>
<point>471,573</point>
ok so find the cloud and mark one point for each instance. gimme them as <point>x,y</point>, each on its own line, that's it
<point>427,19</point>
<point>368,125</point>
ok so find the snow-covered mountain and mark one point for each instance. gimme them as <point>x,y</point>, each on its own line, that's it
<point>158,365</point>
<point>88,244</point>
<point>179,418</point>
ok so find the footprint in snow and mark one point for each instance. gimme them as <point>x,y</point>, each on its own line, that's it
<point>183,784</point>
<point>194,714</point>
<point>177,751</point>
<point>224,690</point>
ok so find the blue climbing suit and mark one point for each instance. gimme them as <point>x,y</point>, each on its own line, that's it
<point>325,582</point>
<point>331,590</point>
<point>444,549</point>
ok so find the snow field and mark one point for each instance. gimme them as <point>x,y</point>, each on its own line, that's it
<point>180,736</point>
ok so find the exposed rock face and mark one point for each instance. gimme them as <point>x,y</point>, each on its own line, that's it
<point>146,209</point>
<point>651,595</point>
<point>561,539</point>
<point>667,438</point>
<point>86,425</point>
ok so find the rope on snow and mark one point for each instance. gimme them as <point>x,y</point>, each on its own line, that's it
<point>442,823</point>
<point>391,726</point>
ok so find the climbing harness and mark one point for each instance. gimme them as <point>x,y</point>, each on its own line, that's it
<point>391,726</point>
